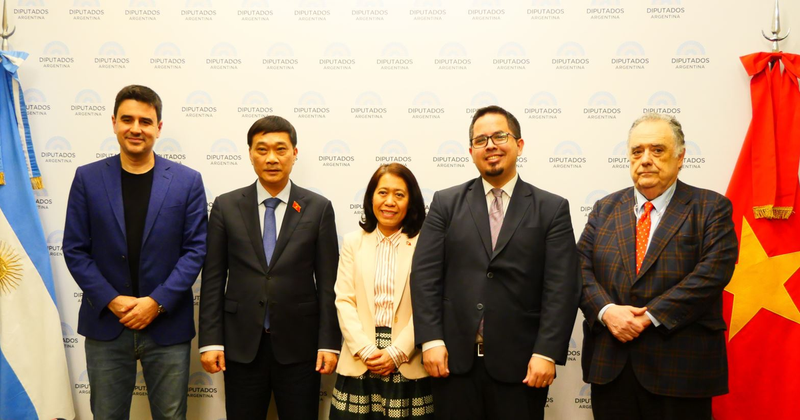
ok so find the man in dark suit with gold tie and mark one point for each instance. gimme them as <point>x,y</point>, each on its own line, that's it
<point>655,260</point>
<point>267,312</point>
<point>495,284</point>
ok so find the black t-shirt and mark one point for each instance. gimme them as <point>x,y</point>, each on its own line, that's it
<point>135,199</point>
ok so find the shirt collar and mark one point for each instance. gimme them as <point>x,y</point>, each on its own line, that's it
<point>394,238</point>
<point>508,188</point>
<point>262,194</point>
<point>659,203</point>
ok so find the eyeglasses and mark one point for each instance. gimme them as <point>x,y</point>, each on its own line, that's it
<point>497,138</point>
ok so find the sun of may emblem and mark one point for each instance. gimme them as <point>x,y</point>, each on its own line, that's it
<point>10,268</point>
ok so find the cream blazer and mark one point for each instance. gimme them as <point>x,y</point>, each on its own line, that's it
<point>355,303</point>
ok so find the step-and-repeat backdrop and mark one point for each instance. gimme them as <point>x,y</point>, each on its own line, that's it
<point>369,82</point>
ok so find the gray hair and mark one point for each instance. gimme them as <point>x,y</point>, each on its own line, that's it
<point>677,129</point>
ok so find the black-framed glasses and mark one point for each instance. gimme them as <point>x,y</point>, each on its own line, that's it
<point>501,137</point>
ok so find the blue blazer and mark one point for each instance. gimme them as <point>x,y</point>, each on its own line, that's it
<point>173,247</point>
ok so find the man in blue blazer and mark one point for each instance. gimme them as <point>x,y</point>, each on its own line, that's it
<point>134,242</point>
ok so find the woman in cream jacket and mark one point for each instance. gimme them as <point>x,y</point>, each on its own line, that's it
<point>380,371</point>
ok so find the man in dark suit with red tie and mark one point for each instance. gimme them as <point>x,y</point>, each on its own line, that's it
<point>495,284</point>
<point>655,260</point>
<point>267,311</point>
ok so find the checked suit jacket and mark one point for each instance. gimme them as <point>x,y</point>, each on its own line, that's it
<point>689,262</point>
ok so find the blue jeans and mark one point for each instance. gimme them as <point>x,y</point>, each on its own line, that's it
<point>112,375</point>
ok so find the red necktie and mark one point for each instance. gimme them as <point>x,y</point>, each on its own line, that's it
<point>642,234</point>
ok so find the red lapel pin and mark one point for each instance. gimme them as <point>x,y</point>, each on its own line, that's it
<point>296,206</point>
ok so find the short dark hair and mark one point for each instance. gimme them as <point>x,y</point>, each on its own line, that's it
<point>271,124</point>
<point>415,214</point>
<point>139,93</point>
<point>513,124</point>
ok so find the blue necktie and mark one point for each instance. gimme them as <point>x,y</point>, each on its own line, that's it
<point>270,235</point>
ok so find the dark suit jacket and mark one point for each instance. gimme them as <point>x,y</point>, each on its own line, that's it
<point>302,313</point>
<point>527,289</point>
<point>173,247</point>
<point>690,260</point>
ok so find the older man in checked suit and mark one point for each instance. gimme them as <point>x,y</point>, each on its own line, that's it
<point>655,260</point>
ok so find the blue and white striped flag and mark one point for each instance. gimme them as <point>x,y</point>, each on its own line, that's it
<point>34,382</point>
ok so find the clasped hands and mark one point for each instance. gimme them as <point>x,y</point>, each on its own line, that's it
<point>626,322</point>
<point>135,313</point>
<point>380,363</point>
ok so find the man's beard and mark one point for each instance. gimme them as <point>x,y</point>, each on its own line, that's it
<point>491,172</point>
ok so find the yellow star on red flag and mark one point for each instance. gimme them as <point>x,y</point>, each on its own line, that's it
<point>758,282</point>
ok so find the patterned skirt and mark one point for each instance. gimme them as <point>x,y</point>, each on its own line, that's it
<point>374,397</point>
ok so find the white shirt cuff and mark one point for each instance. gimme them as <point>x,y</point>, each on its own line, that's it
<point>603,312</point>
<point>211,348</point>
<point>652,318</point>
<point>222,348</point>
<point>544,357</point>
<point>431,344</point>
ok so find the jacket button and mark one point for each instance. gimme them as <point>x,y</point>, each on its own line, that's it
<point>261,302</point>
<point>123,257</point>
<point>490,275</point>
<point>127,285</point>
<point>479,306</point>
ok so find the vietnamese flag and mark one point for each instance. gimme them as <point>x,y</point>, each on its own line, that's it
<point>762,299</point>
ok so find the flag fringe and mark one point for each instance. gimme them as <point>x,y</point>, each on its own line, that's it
<point>2,178</point>
<point>781,212</point>
<point>763,212</point>
<point>770,212</point>
<point>37,184</point>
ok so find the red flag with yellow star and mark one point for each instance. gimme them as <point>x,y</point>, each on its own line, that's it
<point>762,299</point>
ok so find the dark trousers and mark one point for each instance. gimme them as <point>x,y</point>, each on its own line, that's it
<point>248,387</point>
<point>476,396</point>
<point>625,398</point>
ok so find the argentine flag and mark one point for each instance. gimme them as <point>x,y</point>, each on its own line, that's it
<point>34,382</point>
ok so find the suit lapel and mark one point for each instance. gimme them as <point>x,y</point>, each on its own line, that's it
<point>290,219</point>
<point>368,253</point>
<point>248,206</point>
<point>519,205</point>
<point>112,179</point>
<point>668,226</point>
<point>161,180</point>
<point>626,233</point>
<point>405,251</point>
<point>476,198</point>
